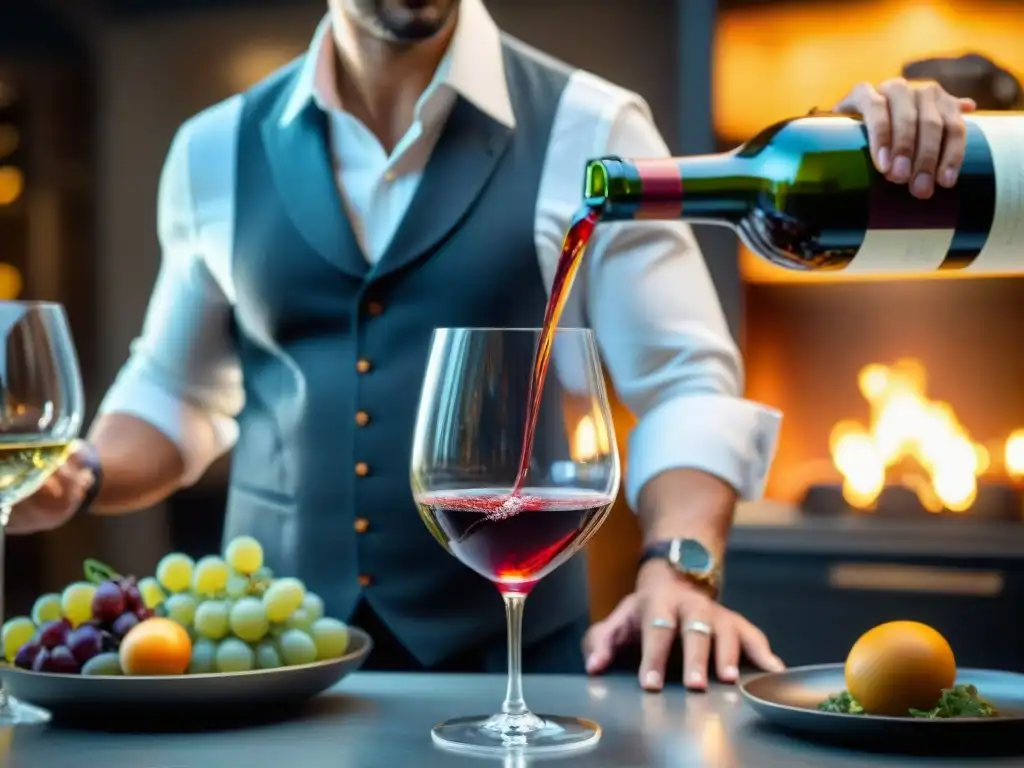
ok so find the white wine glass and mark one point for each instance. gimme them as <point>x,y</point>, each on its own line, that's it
<point>41,410</point>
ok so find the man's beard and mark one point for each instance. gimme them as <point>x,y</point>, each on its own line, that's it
<point>405,27</point>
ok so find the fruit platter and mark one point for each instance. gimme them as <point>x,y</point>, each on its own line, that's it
<point>900,688</point>
<point>221,632</point>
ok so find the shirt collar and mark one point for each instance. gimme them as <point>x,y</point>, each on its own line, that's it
<point>473,67</point>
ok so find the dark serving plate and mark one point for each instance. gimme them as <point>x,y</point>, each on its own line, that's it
<point>789,700</point>
<point>184,696</point>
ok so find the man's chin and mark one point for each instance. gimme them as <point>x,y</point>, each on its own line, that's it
<point>415,20</point>
<point>414,27</point>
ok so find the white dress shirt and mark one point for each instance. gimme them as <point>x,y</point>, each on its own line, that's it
<point>644,288</point>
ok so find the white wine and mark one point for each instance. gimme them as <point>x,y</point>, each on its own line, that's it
<point>24,467</point>
<point>804,194</point>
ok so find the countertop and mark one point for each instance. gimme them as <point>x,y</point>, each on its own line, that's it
<point>383,721</point>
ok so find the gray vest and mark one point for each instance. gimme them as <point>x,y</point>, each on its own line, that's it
<point>313,355</point>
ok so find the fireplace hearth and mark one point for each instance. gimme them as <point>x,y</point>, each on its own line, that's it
<point>913,457</point>
<point>993,501</point>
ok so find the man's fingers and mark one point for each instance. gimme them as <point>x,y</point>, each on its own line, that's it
<point>53,488</point>
<point>27,520</point>
<point>599,659</point>
<point>967,105</point>
<point>73,475</point>
<point>697,628</point>
<point>605,637</point>
<point>954,145</point>
<point>727,649</point>
<point>931,126</point>
<point>757,647</point>
<point>84,480</point>
<point>874,109</point>
<point>598,647</point>
<point>18,525</point>
<point>903,120</point>
<point>660,622</point>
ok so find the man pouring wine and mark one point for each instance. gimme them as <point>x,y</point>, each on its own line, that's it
<point>417,168</point>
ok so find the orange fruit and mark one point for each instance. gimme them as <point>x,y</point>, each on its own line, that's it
<point>899,666</point>
<point>156,647</point>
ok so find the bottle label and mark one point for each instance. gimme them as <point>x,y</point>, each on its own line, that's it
<point>977,226</point>
<point>1004,249</point>
<point>890,251</point>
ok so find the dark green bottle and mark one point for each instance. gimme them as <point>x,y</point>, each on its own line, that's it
<point>804,194</point>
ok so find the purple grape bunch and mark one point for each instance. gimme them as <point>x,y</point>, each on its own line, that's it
<point>58,647</point>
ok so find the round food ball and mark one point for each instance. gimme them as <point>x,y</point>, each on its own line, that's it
<point>899,666</point>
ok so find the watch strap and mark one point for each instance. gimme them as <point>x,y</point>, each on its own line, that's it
<point>669,550</point>
<point>658,550</point>
<point>90,459</point>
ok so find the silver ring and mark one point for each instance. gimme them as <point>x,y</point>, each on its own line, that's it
<point>663,624</point>
<point>700,627</point>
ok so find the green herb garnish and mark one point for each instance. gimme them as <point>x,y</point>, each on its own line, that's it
<point>958,701</point>
<point>841,703</point>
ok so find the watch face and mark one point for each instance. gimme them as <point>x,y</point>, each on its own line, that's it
<point>694,557</point>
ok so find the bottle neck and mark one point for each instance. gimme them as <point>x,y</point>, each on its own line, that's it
<point>706,189</point>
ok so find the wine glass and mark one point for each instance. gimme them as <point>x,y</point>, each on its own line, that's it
<point>467,451</point>
<point>40,414</point>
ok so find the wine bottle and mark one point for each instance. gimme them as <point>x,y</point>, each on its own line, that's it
<point>804,194</point>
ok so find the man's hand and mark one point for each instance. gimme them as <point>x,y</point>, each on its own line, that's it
<point>916,131</point>
<point>57,501</point>
<point>658,613</point>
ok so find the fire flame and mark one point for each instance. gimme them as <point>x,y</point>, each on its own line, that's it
<point>591,440</point>
<point>584,444</point>
<point>919,438</point>
<point>1013,454</point>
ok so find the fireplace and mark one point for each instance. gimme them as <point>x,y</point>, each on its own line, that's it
<point>902,397</point>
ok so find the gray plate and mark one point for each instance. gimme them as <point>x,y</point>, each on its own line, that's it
<point>75,696</point>
<point>789,700</point>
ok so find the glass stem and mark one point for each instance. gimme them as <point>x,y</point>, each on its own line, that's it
<point>5,515</point>
<point>514,702</point>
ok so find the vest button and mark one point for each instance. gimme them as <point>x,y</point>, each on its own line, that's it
<point>362,525</point>
<point>362,418</point>
<point>374,308</point>
<point>364,580</point>
<point>362,470</point>
<point>363,366</point>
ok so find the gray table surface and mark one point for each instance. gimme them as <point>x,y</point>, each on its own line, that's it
<point>376,720</point>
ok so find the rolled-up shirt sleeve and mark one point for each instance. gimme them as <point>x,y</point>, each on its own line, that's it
<point>183,375</point>
<point>666,344</point>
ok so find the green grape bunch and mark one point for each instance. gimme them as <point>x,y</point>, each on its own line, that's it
<point>238,616</point>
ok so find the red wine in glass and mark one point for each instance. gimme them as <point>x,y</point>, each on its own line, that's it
<point>515,539</point>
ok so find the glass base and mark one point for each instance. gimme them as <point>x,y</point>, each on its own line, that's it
<point>528,733</point>
<point>14,713</point>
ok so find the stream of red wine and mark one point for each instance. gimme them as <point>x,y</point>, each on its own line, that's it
<point>573,247</point>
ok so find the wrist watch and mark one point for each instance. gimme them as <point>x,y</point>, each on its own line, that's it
<point>88,456</point>
<point>690,558</point>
